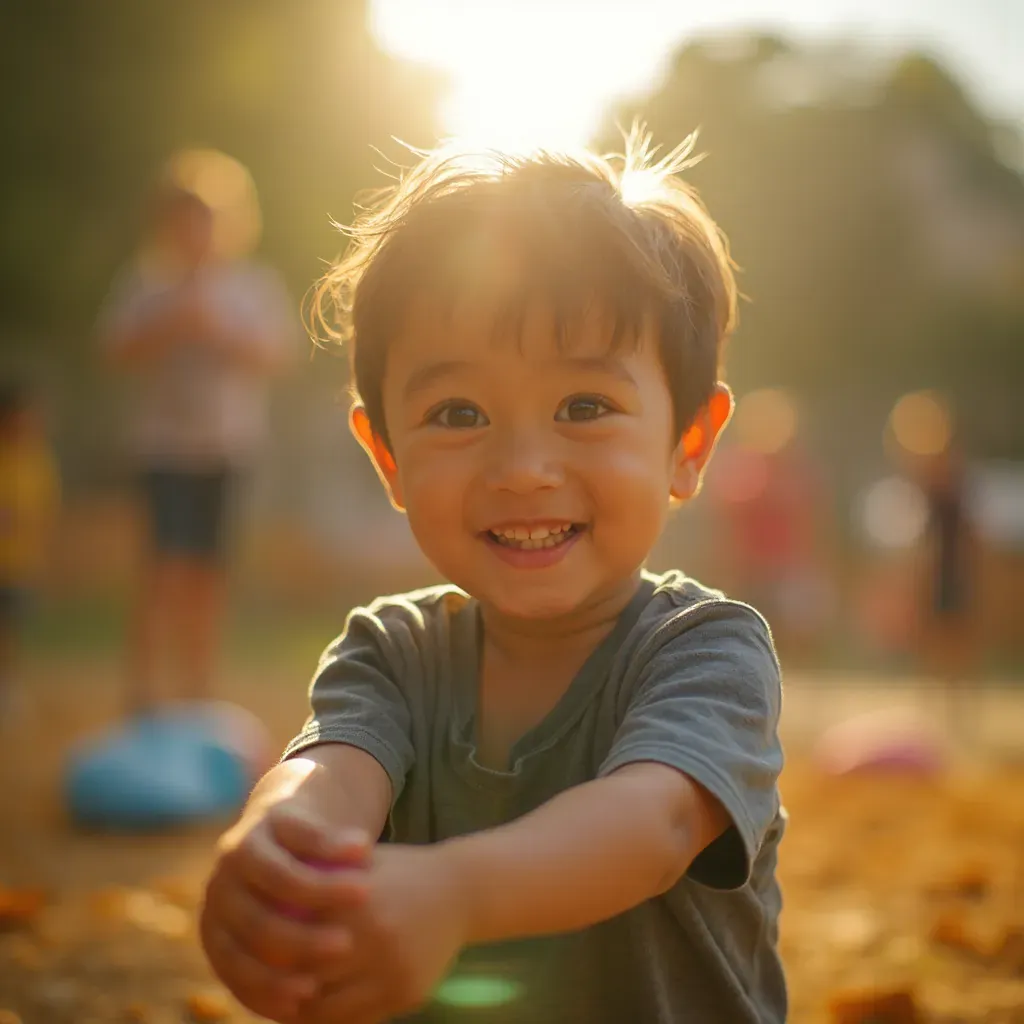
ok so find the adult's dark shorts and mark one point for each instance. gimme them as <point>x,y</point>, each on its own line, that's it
<point>187,511</point>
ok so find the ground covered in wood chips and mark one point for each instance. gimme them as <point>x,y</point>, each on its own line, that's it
<point>904,897</point>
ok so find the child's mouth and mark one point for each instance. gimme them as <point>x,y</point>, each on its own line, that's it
<point>535,538</point>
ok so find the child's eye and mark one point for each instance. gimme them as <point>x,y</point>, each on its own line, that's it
<point>457,415</point>
<point>583,407</point>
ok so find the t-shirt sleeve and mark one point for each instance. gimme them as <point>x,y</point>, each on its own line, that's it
<point>355,699</point>
<point>707,703</point>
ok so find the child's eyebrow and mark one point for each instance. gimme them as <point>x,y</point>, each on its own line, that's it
<point>429,374</point>
<point>424,376</point>
<point>602,364</point>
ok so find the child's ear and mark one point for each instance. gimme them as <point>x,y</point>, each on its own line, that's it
<point>698,442</point>
<point>380,455</point>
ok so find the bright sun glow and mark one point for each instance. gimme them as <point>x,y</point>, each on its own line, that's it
<point>528,73</point>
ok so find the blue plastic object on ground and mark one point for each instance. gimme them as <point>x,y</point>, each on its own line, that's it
<point>166,769</point>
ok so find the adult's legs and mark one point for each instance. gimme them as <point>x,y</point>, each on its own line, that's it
<point>200,584</point>
<point>148,632</point>
<point>200,597</point>
<point>181,597</point>
<point>148,624</point>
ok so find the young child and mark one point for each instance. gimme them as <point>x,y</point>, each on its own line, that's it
<point>200,332</point>
<point>559,766</point>
<point>29,498</point>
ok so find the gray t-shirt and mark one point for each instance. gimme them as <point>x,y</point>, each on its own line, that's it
<point>687,678</point>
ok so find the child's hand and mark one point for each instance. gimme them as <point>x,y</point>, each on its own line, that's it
<point>263,921</point>
<point>406,933</point>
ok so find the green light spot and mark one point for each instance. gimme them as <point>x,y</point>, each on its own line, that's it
<point>477,990</point>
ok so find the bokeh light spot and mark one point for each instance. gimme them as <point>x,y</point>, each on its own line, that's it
<point>477,991</point>
<point>920,424</point>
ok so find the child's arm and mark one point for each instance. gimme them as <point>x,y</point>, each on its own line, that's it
<point>339,783</point>
<point>251,351</point>
<point>590,853</point>
<point>689,786</point>
<point>259,341</point>
<point>142,342</point>
<point>259,922</point>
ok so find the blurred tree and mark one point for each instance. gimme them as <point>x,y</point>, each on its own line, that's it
<point>861,283</point>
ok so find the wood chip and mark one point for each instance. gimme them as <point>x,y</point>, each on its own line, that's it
<point>208,1007</point>
<point>894,1007</point>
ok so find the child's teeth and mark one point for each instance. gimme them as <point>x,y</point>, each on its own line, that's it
<point>532,539</point>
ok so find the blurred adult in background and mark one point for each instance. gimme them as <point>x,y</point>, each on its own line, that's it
<point>202,331</point>
<point>29,500</point>
<point>922,432</point>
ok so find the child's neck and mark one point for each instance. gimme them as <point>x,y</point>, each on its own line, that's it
<point>526,667</point>
<point>526,642</point>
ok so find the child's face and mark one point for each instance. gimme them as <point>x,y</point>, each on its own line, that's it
<point>495,442</point>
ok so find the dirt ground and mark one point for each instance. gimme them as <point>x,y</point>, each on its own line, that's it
<point>900,888</point>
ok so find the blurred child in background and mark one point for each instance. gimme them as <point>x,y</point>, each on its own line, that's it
<point>201,332</point>
<point>29,500</point>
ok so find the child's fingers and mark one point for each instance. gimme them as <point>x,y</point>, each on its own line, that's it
<point>282,880</point>
<point>259,988</point>
<point>317,843</point>
<point>275,940</point>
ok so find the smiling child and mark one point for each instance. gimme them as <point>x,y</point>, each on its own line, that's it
<point>556,768</point>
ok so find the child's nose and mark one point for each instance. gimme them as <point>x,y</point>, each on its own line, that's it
<point>522,462</point>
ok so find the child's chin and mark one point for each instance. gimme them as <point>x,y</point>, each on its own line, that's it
<point>536,607</point>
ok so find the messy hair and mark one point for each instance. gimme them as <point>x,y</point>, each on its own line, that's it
<point>622,234</point>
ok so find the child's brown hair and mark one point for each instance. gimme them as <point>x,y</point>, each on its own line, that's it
<point>576,231</point>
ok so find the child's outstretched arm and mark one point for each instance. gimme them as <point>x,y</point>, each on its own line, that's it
<point>261,922</point>
<point>695,761</point>
<point>588,854</point>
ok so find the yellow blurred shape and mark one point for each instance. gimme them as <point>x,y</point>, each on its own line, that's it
<point>765,421</point>
<point>920,424</point>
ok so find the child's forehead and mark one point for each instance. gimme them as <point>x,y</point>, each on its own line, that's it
<point>503,268</point>
<point>535,326</point>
